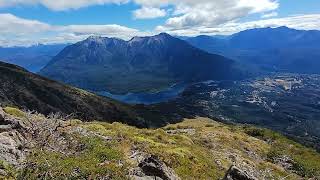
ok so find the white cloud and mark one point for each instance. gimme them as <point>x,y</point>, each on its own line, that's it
<point>190,13</point>
<point>149,13</point>
<point>154,3</point>
<point>303,22</point>
<point>257,6</point>
<point>111,30</point>
<point>185,13</point>
<point>15,31</point>
<point>269,15</point>
<point>59,5</point>
<point>9,23</point>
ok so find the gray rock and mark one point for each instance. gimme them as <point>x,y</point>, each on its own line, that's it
<point>3,173</point>
<point>235,173</point>
<point>152,168</point>
<point>15,123</point>
<point>4,128</point>
<point>10,147</point>
<point>182,131</point>
<point>7,123</point>
<point>2,116</point>
<point>285,161</point>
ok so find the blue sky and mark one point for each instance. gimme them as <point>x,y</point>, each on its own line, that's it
<point>96,14</point>
<point>25,22</point>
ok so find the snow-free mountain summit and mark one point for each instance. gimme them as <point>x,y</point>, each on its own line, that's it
<point>140,64</point>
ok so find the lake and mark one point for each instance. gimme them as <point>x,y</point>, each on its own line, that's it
<point>147,98</point>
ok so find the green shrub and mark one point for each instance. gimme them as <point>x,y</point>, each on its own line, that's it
<point>14,112</point>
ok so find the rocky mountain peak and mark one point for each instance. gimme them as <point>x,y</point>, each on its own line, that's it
<point>163,34</point>
<point>94,38</point>
<point>150,39</point>
<point>136,40</point>
<point>162,37</point>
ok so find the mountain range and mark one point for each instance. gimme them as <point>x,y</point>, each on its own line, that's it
<point>270,49</point>
<point>32,58</point>
<point>139,65</point>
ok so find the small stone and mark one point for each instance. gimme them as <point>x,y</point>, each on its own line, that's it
<point>4,128</point>
<point>3,173</point>
<point>233,157</point>
<point>104,163</point>
<point>218,163</point>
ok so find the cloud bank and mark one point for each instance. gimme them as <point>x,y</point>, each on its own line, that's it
<point>15,31</point>
<point>302,22</point>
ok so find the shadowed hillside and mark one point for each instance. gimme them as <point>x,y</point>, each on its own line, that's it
<point>29,91</point>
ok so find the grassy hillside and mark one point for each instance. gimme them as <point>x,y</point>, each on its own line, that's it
<point>26,90</point>
<point>197,148</point>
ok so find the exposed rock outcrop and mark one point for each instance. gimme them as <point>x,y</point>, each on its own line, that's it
<point>12,142</point>
<point>235,173</point>
<point>150,167</point>
<point>285,161</point>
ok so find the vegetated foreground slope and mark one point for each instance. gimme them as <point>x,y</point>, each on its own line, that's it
<point>54,148</point>
<point>25,90</point>
<point>139,65</point>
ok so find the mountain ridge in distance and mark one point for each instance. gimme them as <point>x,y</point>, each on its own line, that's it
<point>279,49</point>
<point>138,65</point>
<point>33,58</point>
